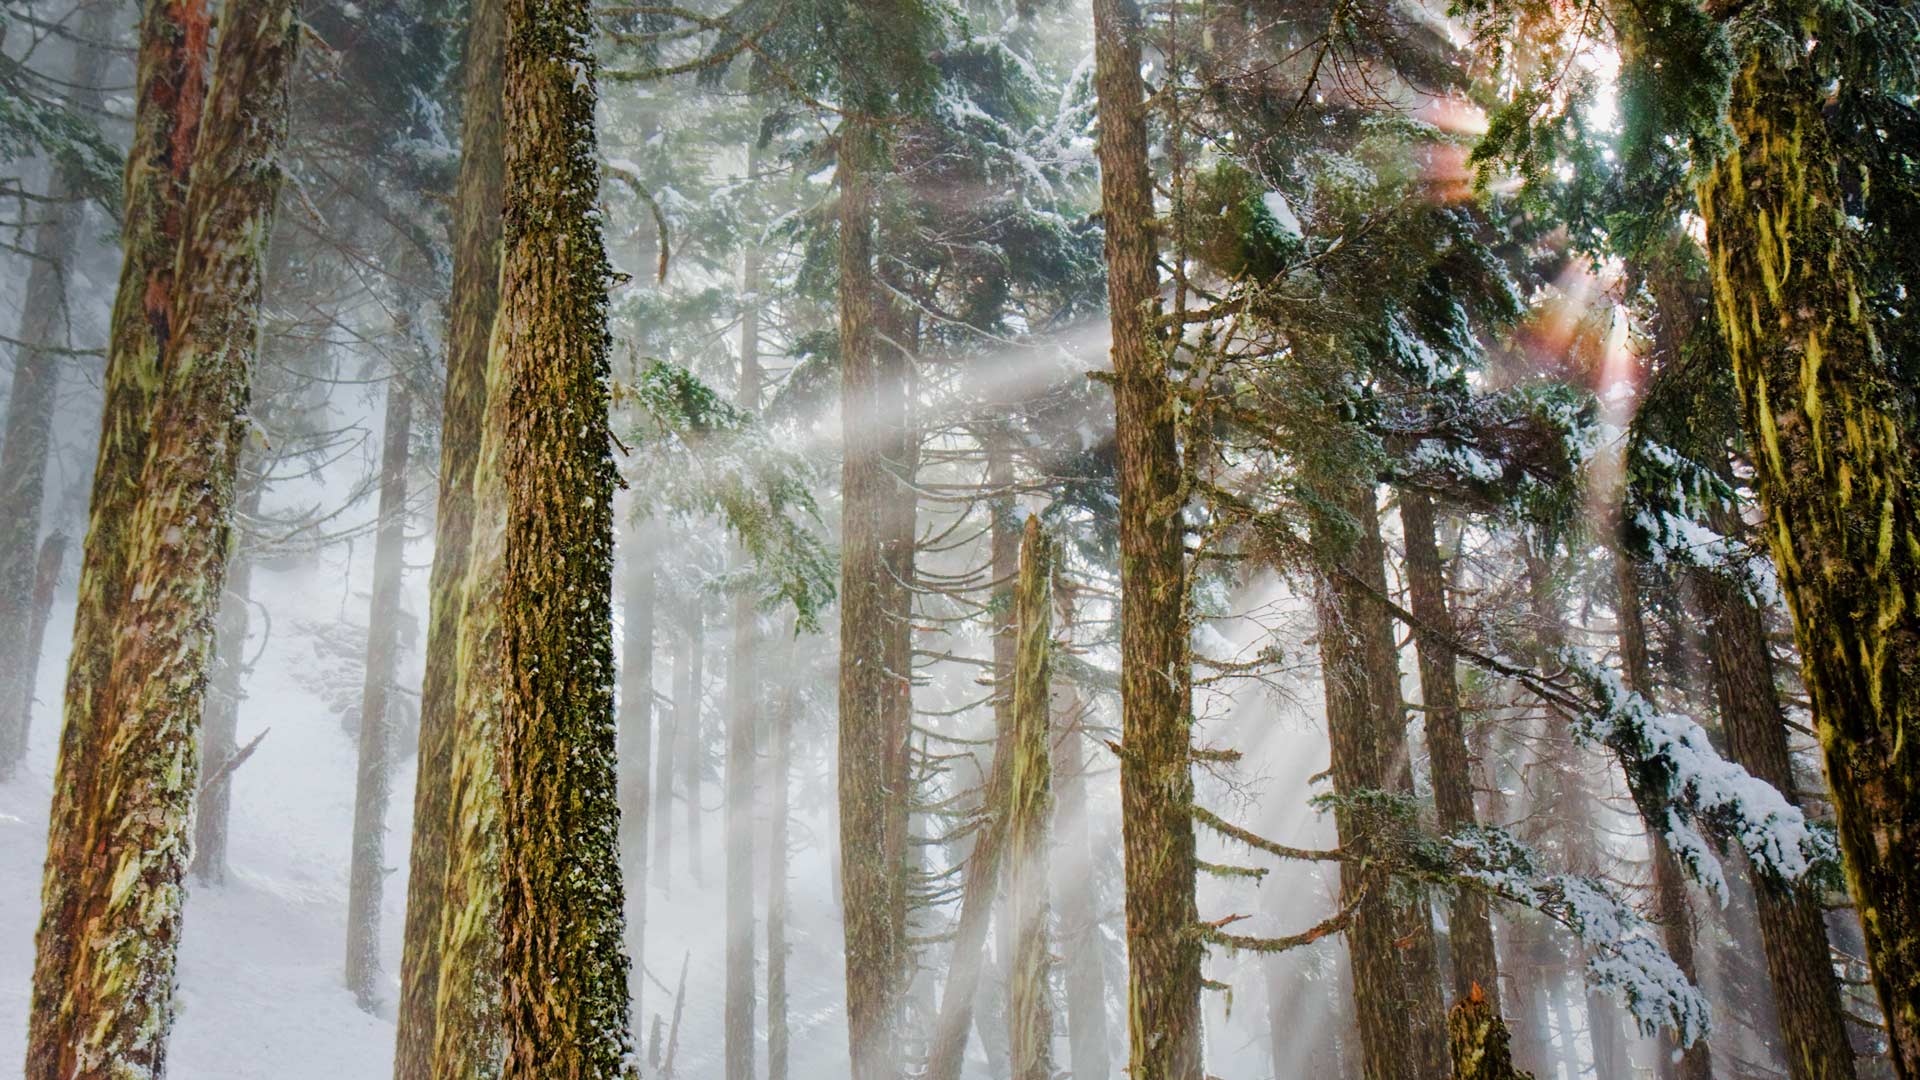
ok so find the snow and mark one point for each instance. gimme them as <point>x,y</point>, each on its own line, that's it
<point>1282,214</point>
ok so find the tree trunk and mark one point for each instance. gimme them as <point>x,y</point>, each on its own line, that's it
<point>543,564</point>
<point>46,579</point>
<point>636,742</point>
<point>668,745</point>
<point>30,404</point>
<point>367,873</point>
<point>1156,779</point>
<point>1834,464</point>
<point>1075,906</point>
<point>869,751</point>
<point>105,973</point>
<point>693,735</point>
<point>472,305</point>
<point>220,737</point>
<point>744,698</point>
<point>169,90</point>
<point>1670,906</point>
<point>1361,763</point>
<point>1793,928</point>
<point>1470,921</point>
<point>780,753</point>
<point>1478,1040</point>
<point>1030,785</point>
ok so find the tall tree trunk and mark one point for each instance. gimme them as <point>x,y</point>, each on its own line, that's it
<point>693,735</point>
<point>636,742</point>
<point>46,578</point>
<point>1074,905</point>
<point>220,737</point>
<point>1419,949</point>
<point>543,568</point>
<point>104,974</point>
<point>1029,999</point>
<point>869,777</point>
<point>1360,762</point>
<point>1834,463</point>
<point>30,403</point>
<point>366,877</point>
<point>742,717</point>
<point>1670,905</point>
<point>1156,779</point>
<point>668,745</point>
<point>472,304</point>
<point>780,753</point>
<point>1835,472</point>
<point>1793,928</point>
<point>1470,921</point>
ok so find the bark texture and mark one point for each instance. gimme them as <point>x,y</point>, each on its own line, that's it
<point>1834,463</point>
<point>1470,922</point>
<point>169,94</point>
<point>1793,929</point>
<point>1156,777</point>
<point>1478,1041</point>
<point>1030,785</point>
<point>366,877</point>
<point>546,570</point>
<point>106,1010</point>
<point>472,303</point>
<point>870,750</point>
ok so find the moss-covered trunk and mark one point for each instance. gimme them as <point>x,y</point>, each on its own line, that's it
<point>1477,1040</point>
<point>474,298</point>
<point>366,876</point>
<point>124,850</point>
<point>1834,462</point>
<point>1470,922</point>
<point>1156,772</point>
<point>1030,787</point>
<point>546,570</point>
<point>169,93</point>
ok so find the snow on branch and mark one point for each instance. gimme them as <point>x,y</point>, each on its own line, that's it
<point>1681,781</point>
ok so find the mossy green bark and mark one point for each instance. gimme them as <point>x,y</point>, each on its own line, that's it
<point>1834,463</point>
<point>1477,1038</point>
<point>170,83</point>
<point>126,842</point>
<point>474,298</point>
<point>1030,785</point>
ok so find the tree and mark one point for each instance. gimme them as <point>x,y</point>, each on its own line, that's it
<point>118,848</point>
<point>542,564</point>
<point>1029,996</point>
<point>367,872</point>
<point>474,299</point>
<point>1156,782</point>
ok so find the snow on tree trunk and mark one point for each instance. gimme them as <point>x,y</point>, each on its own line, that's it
<point>1833,456</point>
<point>471,305</point>
<point>106,1010</point>
<point>366,876</point>
<point>1156,779</point>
